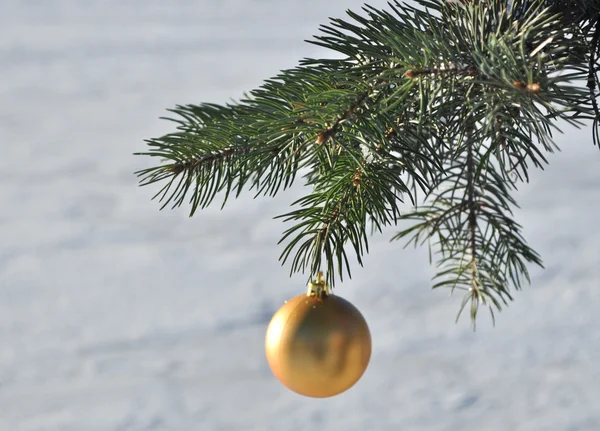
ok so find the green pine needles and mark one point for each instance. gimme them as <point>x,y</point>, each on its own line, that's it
<point>445,105</point>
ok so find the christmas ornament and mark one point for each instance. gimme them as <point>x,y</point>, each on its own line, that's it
<point>318,344</point>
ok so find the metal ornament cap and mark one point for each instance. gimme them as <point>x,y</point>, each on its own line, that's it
<point>318,345</point>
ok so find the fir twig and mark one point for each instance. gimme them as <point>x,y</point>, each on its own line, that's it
<point>454,102</point>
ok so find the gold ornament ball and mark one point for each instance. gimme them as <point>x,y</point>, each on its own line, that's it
<point>318,345</point>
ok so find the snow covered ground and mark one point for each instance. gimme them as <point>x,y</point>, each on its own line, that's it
<point>117,317</point>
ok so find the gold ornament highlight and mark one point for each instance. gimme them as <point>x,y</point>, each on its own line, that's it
<point>318,344</point>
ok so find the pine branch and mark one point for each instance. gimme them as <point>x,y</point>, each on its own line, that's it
<point>352,192</point>
<point>481,247</point>
<point>450,101</point>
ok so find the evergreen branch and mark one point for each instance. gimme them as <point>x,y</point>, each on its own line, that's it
<point>454,101</point>
<point>344,198</point>
<point>482,249</point>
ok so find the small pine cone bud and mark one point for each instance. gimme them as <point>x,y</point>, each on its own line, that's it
<point>325,136</point>
<point>356,178</point>
<point>534,87</point>
<point>176,169</point>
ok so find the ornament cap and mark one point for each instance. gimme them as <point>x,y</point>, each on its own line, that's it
<point>318,288</point>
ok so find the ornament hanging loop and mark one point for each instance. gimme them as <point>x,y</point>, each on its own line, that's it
<point>318,288</point>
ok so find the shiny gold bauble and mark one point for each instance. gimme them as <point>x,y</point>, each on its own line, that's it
<point>318,344</point>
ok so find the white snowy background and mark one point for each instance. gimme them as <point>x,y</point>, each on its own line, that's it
<point>115,316</point>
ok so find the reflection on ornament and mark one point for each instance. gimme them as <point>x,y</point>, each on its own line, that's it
<point>318,344</point>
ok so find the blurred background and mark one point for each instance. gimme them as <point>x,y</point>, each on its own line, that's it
<point>115,316</point>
